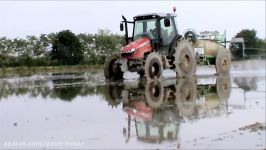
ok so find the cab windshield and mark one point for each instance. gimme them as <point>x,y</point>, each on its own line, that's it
<point>145,28</point>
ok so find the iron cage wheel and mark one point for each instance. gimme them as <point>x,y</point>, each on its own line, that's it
<point>154,92</point>
<point>153,66</point>
<point>186,90</point>
<point>223,62</point>
<point>113,93</point>
<point>185,60</point>
<point>111,71</point>
<point>223,87</point>
<point>186,95</point>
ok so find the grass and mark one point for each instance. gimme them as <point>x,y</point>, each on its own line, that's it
<point>44,69</point>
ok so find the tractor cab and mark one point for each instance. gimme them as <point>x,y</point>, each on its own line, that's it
<point>158,29</point>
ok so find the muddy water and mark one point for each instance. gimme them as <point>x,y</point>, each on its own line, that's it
<point>81,110</point>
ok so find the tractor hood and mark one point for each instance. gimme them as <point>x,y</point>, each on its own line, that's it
<point>133,46</point>
<point>139,110</point>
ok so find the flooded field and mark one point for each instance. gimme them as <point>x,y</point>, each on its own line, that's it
<point>80,110</point>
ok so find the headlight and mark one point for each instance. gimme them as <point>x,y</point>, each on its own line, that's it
<point>129,51</point>
<point>132,50</point>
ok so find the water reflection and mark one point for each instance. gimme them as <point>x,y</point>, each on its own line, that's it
<point>158,107</point>
<point>247,84</point>
<point>64,92</point>
<point>168,112</point>
<point>65,86</point>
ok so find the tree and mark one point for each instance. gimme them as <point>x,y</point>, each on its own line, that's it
<point>105,43</point>
<point>67,49</point>
<point>253,45</point>
<point>98,46</point>
<point>249,37</point>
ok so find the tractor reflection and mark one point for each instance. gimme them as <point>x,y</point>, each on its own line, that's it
<point>157,108</point>
<point>154,113</point>
<point>199,100</point>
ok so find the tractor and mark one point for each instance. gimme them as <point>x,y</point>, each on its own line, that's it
<point>157,45</point>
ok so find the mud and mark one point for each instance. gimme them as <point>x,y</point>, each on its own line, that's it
<point>254,127</point>
<point>80,110</point>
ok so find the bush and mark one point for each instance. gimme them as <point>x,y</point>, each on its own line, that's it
<point>67,49</point>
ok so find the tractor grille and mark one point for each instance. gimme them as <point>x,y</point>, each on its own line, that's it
<point>126,54</point>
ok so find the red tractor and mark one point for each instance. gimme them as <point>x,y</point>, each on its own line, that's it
<point>156,45</point>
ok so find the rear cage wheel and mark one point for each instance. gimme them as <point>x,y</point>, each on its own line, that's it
<point>223,62</point>
<point>185,60</point>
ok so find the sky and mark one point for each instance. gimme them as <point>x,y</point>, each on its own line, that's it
<point>22,18</point>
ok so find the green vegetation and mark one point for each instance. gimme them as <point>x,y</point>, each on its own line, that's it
<point>6,71</point>
<point>67,49</point>
<point>253,45</point>
<point>251,39</point>
<point>63,48</point>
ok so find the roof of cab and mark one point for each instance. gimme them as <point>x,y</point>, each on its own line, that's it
<point>153,15</point>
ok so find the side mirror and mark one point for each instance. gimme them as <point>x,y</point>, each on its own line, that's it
<point>166,22</point>
<point>121,26</point>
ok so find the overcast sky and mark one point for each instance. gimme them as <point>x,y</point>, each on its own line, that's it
<point>21,18</point>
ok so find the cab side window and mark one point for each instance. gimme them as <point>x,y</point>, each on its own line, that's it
<point>167,33</point>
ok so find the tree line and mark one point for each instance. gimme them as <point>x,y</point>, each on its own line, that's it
<point>66,48</point>
<point>63,48</point>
